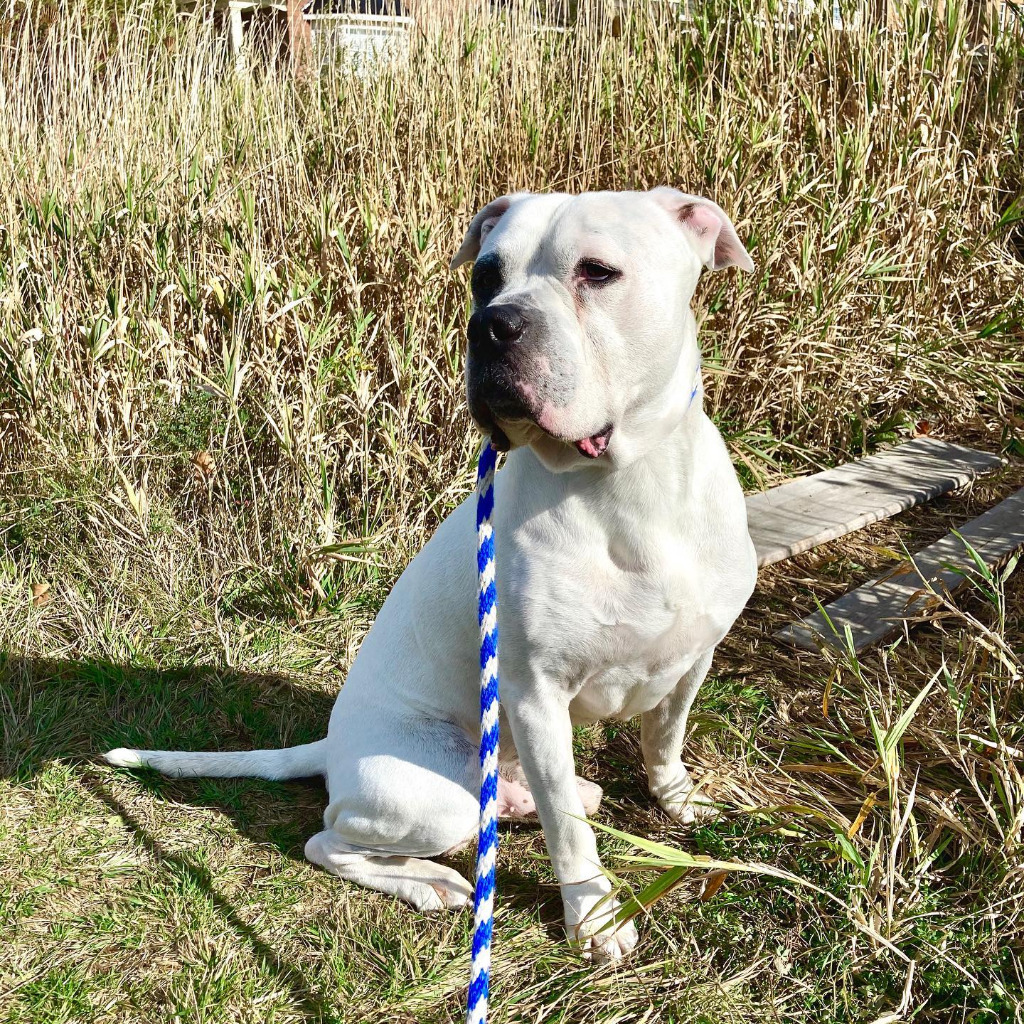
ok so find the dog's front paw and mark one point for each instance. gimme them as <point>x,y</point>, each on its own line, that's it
<point>603,946</point>
<point>695,807</point>
<point>589,922</point>
<point>678,796</point>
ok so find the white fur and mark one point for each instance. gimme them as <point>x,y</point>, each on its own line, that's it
<point>617,577</point>
<point>290,763</point>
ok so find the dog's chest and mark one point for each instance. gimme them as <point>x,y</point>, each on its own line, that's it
<point>622,628</point>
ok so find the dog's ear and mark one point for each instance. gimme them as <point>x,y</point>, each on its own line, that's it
<point>709,229</point>
<point>483,224</point>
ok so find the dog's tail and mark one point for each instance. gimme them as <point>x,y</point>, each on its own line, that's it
<point>289,763</point>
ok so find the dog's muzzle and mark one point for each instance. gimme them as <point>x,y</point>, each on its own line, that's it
<point>495,378</point>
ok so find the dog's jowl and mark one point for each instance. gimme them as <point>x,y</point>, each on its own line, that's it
<point>623,559</point>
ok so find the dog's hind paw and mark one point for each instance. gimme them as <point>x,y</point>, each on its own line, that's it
<point>591,794</point>
<point>424,884</point>
<point>432,887</point>
<point>516,803</point>
<point>448,898</point>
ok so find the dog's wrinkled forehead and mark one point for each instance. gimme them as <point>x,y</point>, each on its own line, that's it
<point>655,228</point>
<point>548,234</point>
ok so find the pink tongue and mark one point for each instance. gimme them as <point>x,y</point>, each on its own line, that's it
<point>594,446</point>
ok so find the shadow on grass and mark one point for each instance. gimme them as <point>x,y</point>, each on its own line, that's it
<point>287,974</point>
<point>74,711</point>
<point>77,710</point>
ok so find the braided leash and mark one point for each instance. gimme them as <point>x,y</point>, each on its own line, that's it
<point>487,843</point>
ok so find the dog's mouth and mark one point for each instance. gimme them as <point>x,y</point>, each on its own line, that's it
<point>596,445</point>
<point>592,447</point>
<point>487,414</point>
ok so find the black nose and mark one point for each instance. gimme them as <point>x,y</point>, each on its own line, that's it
<point>506,324</point>
<point>494,329</point>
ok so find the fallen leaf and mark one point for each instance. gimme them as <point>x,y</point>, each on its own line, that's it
<point>41,594</point>
<point>712,885</point>
<point>203,465</point>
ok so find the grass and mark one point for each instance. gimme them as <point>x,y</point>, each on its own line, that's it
<point>231,409</point>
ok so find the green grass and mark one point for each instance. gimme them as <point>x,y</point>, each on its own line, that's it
<point>231,409</point>
<point>138,897</point>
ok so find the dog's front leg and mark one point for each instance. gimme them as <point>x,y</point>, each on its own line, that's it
<point>662,732</point>
<point>542,732</point>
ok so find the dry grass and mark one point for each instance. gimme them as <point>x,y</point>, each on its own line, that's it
<point>231,409</point>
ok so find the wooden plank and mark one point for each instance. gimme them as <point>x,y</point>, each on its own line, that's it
<point>878,609</point>
<point>298,33</point>
<point>804,513</point>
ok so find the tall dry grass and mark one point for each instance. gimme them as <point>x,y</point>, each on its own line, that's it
<point>197,259</point>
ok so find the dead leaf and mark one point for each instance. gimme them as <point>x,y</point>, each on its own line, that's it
<point>712,885</point>
<point>828,690</point>
<point>890,553</point>
<point>203,465</point>
<point>925,600</point>
<point>41,594</point>
<point>903,569</point>
<point>922,428</point>
<point>862,816</point>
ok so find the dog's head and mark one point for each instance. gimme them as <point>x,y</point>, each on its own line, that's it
<point>582,343</point>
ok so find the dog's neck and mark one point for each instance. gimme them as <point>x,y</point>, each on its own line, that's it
<point>658,430</point>
<point>634,509</point>
<point>665,465</point>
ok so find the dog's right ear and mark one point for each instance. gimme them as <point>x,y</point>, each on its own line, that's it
<point>483,224</point>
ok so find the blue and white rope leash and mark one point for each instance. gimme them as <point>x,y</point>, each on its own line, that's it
<point>487,844</point>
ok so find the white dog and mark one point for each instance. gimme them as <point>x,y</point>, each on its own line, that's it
<point>623,559</point>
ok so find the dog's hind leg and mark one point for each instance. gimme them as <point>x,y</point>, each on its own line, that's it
<point>401,792</point>
<point>425,884</point>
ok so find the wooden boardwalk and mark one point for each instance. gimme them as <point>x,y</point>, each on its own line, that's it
<point>800,515</point>
<point>878,609</point>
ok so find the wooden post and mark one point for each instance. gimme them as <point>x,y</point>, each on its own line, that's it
<point>299,35</point>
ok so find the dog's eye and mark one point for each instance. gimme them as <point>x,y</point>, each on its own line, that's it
<point>594,272</point>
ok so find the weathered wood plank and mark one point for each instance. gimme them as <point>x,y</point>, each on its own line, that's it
<point>878,609</point>
<point>804,513</point>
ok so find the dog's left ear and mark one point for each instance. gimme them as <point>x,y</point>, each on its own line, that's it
<point>482,226</point>
<point>709,229</point>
